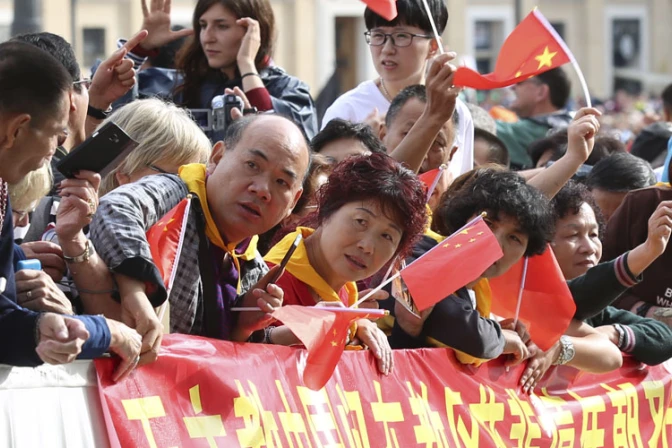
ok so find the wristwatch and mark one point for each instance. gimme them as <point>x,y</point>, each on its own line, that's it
<point>567,353</point>
<point>89,252</point>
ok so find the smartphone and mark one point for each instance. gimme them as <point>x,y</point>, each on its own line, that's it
<point>34,265</point>
<point>100,153</point>
<point>286,258</point>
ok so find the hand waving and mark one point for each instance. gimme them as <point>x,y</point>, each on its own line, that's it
<point>156,20</point>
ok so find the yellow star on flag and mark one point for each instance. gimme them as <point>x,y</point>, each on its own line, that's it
<point>457,246</point>
<point>518,73</point>
<point>546,58</point>
<point>334,343</point>
<point>165,229</point>
<point>472,240</point>
<point>446,245</point>
<point>479,233</point>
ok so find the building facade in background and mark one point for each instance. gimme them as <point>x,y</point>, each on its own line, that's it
<point>618,43</point>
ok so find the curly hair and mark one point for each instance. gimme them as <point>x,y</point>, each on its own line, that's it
<point>498,193</point>
<point>380,178</point>
<point>570,199</point>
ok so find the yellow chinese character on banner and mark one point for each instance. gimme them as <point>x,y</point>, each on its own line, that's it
<point>292,423</point>
<point>145,409</point>
<point>387,413</point>
<point>203,426</point>
<point>321,419</point>
<point>456,425</point>
<point>431,430</point>
<point>261,428</point>
<point>487,413</point>
<point>626,421</point>
<point>351,414</point>
<point>591,434</point>
<point>660,413</point>
<point>525,431</point>
<point>559,421</point>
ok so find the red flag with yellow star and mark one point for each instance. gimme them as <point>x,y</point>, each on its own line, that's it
<point>532,48</point>
<point>545,289</point>
<point>324,332</point>
<point>456,261</point>
<point>165,240</point>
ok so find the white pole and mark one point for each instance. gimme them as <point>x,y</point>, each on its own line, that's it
<point>436,32</point>
<point>520,293</point>
<point>435,182</point>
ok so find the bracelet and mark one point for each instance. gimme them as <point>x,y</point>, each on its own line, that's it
<point>621,335</point>
<point>89,251</point>
<point>250,74</point>
<point>267,335</point>
<point>97,113</point>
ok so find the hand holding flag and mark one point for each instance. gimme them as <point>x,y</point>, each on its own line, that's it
<point>324,332</point>
<point>546,304</point>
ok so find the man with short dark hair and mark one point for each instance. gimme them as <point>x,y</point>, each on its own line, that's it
<point>540,104</point>
<point>252,182</point>
<point>34,100</point>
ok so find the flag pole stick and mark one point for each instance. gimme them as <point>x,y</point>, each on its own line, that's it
<point>520,293</point>
<point>436,31</point>
<point>375,290</point>
<point>442,168</point>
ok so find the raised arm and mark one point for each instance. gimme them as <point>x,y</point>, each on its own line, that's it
<point>441,100</point>
<point>581,139</point>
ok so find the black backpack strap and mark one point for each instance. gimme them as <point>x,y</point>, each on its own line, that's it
<point>211,315</point>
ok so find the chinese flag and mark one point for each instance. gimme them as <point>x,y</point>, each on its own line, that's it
<point>324,332</point>
<point>547,305</point>
<point>429,177</point>
<point>456,261</point>
<point>387,9</point>
<point>165,239</point>
<point>532,48</point>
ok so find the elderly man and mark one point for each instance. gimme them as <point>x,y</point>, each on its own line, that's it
<point>252,182</point>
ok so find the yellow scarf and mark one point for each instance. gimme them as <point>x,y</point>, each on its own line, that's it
<point>483,306</point>
<point>194,175</point>
<point>428,231</point>
<point>299,266</point>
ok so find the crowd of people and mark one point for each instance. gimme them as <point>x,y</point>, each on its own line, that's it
<point>348,183</point>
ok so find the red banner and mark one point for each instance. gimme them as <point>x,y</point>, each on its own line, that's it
<point>208,393</point>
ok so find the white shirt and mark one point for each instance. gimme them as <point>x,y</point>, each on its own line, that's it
<point>359,102</point>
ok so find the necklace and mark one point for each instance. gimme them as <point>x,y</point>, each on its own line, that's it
<point>385,92</point>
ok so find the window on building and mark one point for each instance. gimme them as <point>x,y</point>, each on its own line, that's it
<point>488,38</point>
<point>94,45</point>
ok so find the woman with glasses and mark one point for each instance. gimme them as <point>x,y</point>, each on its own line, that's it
<point>401,50</point>
<point>230,52</point>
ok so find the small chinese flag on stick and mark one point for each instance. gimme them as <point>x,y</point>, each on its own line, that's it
<point>456,261</point>
<point>165,241</point>
<point>532,48</point>
<point>547,306</point>
<point>324,332</point>
<point>387,9</point>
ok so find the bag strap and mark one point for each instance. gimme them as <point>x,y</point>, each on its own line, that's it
<point>211,317</point>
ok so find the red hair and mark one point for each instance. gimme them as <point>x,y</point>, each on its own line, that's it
<point>380,178</point>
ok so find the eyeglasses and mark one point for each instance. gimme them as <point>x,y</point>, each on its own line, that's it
<point>86,82</point>
<point>157,169</point>
<point>399,39</point>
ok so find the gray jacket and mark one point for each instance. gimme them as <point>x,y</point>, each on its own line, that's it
<point>118,234</point>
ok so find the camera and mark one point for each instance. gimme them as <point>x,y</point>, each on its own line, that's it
<point>221,110</point>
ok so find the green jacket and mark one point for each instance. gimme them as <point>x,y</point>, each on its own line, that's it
<point>519,135</point>
<point>647,340</point>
